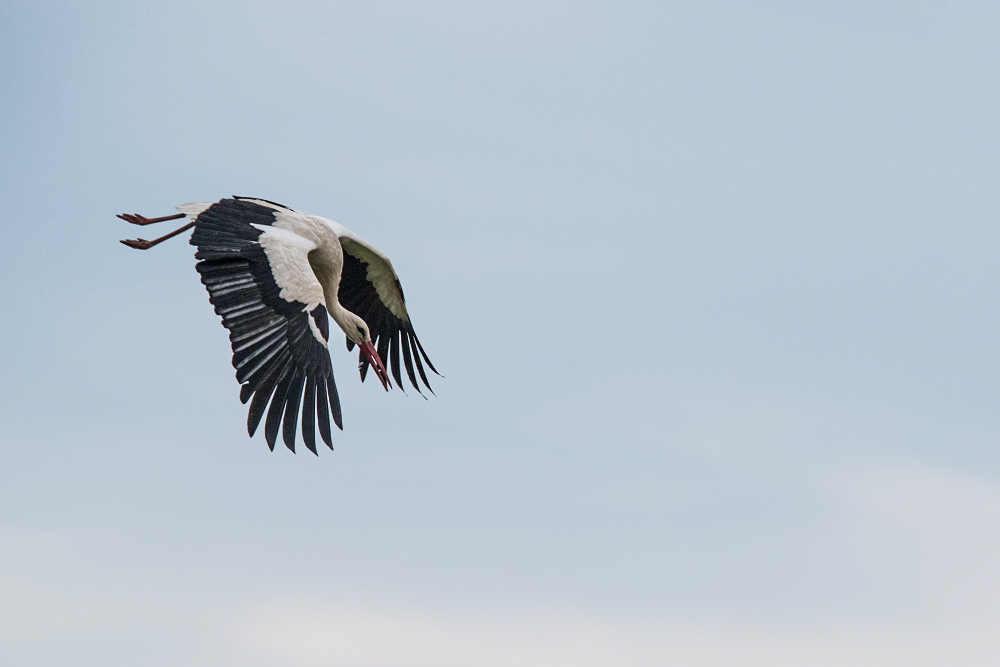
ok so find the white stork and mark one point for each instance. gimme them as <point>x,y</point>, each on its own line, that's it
<point>274,274</point>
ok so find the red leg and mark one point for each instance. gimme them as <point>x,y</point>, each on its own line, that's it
<point>143,244</point>
<point>137,219</point>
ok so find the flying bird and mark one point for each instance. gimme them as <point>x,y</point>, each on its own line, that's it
<point>274,274</point>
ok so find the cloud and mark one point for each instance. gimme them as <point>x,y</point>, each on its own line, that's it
<point>341,636</point>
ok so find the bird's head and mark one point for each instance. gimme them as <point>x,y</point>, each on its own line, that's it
<point>357,332</point>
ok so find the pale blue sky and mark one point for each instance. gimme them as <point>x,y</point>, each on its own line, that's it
<point>713,285</point>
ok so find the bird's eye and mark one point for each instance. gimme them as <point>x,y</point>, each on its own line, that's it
<point>361,331</point>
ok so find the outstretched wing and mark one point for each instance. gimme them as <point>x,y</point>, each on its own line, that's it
<point>370,289</point>
<point>260,282</point>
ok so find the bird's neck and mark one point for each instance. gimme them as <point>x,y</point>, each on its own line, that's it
<point>341,316</point>
<point>326,263</point>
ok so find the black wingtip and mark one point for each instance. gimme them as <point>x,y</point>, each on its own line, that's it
<point>262,395</point>
<point>408,362</point>
<point>257,407</point>
<point>393,360</point>
<point>322,413</point>
<point>334,399</point>
<point>272,424</point>
<point>290,422</point>
<point>424,355</point>
<point>309,415</point>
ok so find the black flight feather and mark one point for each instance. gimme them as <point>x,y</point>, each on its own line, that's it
<point>394,353</point>
<point>273,422</point>
<point>309,414</point>
<point>289,424</point>
<point>334,397</point>
<point>321,412</point>
<point>405,344</point>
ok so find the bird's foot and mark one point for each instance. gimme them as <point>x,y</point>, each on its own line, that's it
<point>138,244</point>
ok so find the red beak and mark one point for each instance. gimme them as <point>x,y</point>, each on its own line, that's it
<point>376,363</point>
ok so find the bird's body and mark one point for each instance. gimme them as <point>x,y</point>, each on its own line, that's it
<point>273,274</point>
